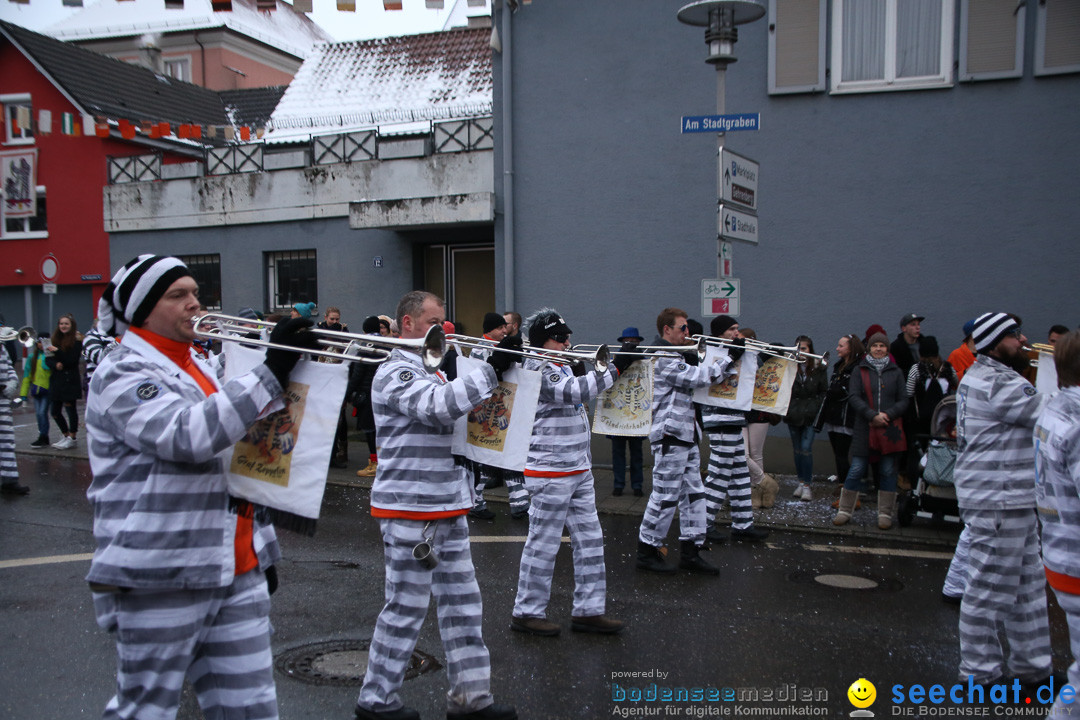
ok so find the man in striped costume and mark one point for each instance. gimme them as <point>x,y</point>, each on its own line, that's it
<point>995,488</point>
<point>558,476</point>
<point>1057,493</point>
<point>422,494</point>
<point>729,475</point>
<point>9,390</point>
<point>676,460</point>
<point>182,580</point>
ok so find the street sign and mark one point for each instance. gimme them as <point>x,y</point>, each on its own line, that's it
<point>738,180</point>
<point>50,268</point>
<point>720,297</point>
<point>736,225</point>
<point>725,259</point>
<point>48,288</point>
<point>720,123</point>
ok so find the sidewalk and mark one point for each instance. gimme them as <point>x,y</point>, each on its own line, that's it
<point>788,514</point>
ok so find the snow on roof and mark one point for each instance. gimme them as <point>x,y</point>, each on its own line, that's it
<point>283,28</point>
<point>404,81</point>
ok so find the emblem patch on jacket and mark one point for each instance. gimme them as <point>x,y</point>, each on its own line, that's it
<point>147,391</point>
<point>555,377</point>
<point>405,376</point>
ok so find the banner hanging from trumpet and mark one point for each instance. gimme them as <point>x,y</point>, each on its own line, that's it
<point>625,408</point>
<point>498,431</point>
<point>282,462</point>
<point>1046,379</point>
<point>734,392</point>
<point>772,385</point>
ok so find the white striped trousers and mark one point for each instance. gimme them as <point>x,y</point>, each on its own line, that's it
<point>676,483</point>
<point>9,470</point>
<point>559,502</point>
<point>1006,589</point>
<point>729,476</point>
<point>409,588</point>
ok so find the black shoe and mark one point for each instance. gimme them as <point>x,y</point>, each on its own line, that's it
<point>491,712</point>
<point>617,492</point>
<point>519,514</point>
<point>42,441</point>
<point>649,558</point>
<point>601,624</point>
<point>339,464</point>
<point>638,492</point>
<point>402,713</point>
<point>951,599</point>
<point>534,626</point>
<point>482,514</point>
<point>690,559</point>
<point>1054,680</point>
<point>14,489</point>
<point>715,535</point>
<point>750,533</point>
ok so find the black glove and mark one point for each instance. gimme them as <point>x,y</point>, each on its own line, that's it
<point>501,361</point>
<point>692,358</point>
<point>623,361</point>
<point>294,333</point>
<point>736,349</point>
<point>271,579</point>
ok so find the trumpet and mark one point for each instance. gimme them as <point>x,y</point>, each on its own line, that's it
<point>697,348</point>
<point>781,351</point>
<point>600,358</point>
<point>26,335</point>
<point>339,345</point>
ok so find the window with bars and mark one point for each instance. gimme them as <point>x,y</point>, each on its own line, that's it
<point>27,228</point>
<point>206,269</point>
<point>291,277</point>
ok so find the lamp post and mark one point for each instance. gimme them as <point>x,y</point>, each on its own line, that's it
<point>719,18</point>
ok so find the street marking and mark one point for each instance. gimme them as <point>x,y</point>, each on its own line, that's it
<point>504,539</point>
<point>925,554</point>
<point>47,560</point>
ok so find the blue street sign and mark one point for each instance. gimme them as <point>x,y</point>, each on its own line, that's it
<point>720,123</point>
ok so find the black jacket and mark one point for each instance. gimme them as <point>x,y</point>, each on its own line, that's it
<point>835,409</point>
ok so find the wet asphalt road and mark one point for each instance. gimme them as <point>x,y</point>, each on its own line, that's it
<point>765,625</point>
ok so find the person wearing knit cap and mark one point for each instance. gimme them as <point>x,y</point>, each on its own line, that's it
<point>303,310</point>
<point>877,395</point>
<point>620,443</point>
<point>728,472</point>
<point>964,356</point>
<point>928,382</point>
<point>159,419</point>
<point>996,412</point>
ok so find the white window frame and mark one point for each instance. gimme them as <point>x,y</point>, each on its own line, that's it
<point>1040,44</point>
<point>1020,14</point>
<point>182,62</point>
<point>15,100</point>
<point>25,233</point>
<point>818,85</point>
<point>890,82</point>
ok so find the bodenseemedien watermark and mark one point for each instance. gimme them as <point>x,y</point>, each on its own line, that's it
<point>653,693</point>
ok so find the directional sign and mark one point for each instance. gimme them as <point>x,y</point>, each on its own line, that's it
<point>738,180</point>
<point>736,225</point>
<point>725,259</point>
<point>720,123</point>
<point>720,297</point>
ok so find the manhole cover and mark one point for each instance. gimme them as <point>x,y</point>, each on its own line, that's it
<point>848,582</point>
<point>340,662</point>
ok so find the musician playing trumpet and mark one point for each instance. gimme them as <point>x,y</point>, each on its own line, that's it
<point>181,574</point>
<point>676,460</point>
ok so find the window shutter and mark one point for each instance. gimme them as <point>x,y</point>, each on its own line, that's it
<point>991,39</point>
<point>1057,38</point>
<point>796,46</point>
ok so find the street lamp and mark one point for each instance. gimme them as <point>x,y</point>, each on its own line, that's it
<point>719,18</point>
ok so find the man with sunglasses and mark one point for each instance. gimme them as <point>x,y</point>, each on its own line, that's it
<point>995,488</point>
<point>676,460</point>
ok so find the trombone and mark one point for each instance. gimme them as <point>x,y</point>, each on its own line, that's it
<point>26,335</point>
<point>340,345</point>
<point>780,351</point>
<point>697,348</point>
<point>600,358</point>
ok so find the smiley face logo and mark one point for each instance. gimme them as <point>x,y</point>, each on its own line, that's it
<point>862,693</point>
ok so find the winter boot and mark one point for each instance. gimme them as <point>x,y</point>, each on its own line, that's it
<point>650,558</point>
<point>769,489</point>
<point>755,497</point>
<point>845,506</point>
<point>690,559</point>
<point>886,509</point>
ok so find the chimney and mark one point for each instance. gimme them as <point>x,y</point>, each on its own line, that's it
<point>150,52</point>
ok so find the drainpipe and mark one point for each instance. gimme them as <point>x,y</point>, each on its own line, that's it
<point>202,58</point>
<point>508,161</point>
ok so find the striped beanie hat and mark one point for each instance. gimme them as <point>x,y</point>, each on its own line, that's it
<point>990,328</point>
<point>134,291</point>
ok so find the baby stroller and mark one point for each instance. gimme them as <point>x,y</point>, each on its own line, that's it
<point>934,496</point>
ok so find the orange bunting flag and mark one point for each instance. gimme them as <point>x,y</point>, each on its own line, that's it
<point>245,133</point>
<point>101,127</point>
<point>183,131</point>
<point>127,130</point>
<point>196,132</point>
<point>391,4</point>
<point>164,129</point>
<point>346,5</point>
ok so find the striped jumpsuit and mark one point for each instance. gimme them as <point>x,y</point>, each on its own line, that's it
<point>9,471</point>
<point>729,474</point>
<point>517,495</point>
<point>676,459</point>
<point>1057,494</point>
<point>558,475</point>
<point>421,492</point>
<point>163,573</point>
<point>995,489</point>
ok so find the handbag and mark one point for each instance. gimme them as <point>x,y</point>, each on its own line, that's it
<point>884,440</point>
